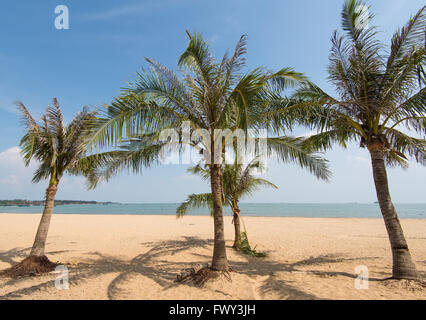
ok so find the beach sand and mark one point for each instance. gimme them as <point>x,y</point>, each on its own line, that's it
<point>139,256</point>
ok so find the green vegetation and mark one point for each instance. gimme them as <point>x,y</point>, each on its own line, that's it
<point>212,94</point>
<point>380,90</point>
<point>57,149</point>
<point>238,181</point>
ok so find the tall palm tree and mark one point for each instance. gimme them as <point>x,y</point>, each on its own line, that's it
<point>57,149</point>
<point>379,94</point>
<point>238,181</point>
<point>210,95</point>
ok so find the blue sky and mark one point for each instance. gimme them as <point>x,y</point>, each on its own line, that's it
<point>105,46</point>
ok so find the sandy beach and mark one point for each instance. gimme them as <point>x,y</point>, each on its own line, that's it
<point>139,256</point>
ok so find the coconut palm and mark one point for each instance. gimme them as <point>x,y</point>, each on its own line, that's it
<point>238,181</point>
<point>57,149</point>
<point>210,95</point>
<point>378,95</point>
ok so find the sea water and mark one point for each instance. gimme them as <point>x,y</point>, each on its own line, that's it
<point>321,210</point>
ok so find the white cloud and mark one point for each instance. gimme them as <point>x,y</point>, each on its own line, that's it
<point>9,155</point>
<point>12,168</point>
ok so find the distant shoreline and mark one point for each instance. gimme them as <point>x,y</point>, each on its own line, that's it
<point>369,210</point>
<point>201,216</point>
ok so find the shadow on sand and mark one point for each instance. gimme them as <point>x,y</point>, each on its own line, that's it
<point>154,265</point>
<point>13,256</point>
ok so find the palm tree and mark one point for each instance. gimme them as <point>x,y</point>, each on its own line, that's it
<point>210,95</point>
<point>378,95</point>
<point>57,149</point>
<point>238,182</point>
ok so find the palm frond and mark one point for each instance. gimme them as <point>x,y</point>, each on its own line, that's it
<point>355,14</point>
<point>197,57</point>
<point>290,149</point>
<point>55,146</point>
<point>129,116</point>
<point>56,124</point>
<point>195,201</point>
<point>133,156</point>
<point>404,40</point>
<point>43,172</point>
<point>402,144</point>
<point>232,66</point>
<point>324,141</point>
<point>200,171</point>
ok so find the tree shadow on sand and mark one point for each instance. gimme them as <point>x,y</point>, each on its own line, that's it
<point>148,264</point>
<point>15,255</point>
<point>283,288</point>
<point>154,264</point>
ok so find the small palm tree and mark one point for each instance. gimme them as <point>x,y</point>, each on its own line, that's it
<point>377,95</point>
<point>57,149</point>
<point>210,95</point>
<point>238,182</point>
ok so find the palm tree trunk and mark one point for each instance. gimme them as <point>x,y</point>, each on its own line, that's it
<point>403,266</point>
<point>43,228</point>
<point>220,261</point>
<point>237,228</point>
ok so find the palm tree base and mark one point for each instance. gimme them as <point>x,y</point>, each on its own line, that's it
<point>30,266</point>
<point>202,276</point>
<point>406,276</point>
<point>411,285</point>
<point>403,266</point>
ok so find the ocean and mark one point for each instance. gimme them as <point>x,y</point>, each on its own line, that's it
<point>320,210</point>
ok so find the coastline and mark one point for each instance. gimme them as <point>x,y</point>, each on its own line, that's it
<point>323,210</point>
<point>203,216</point>
<point>138,257</point>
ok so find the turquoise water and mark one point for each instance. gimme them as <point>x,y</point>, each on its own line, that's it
<point>344,210</point>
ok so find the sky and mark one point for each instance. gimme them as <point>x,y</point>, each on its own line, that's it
<point>105,46</point>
